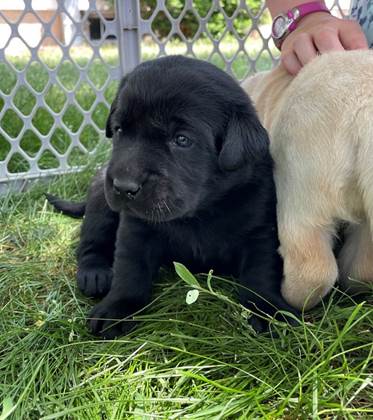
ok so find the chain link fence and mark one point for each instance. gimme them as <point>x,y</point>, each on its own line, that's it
<point>60,63</point>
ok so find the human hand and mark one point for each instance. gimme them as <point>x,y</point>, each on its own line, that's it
<point>316,34</point>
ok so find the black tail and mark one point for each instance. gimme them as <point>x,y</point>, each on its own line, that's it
<point>76,210</point>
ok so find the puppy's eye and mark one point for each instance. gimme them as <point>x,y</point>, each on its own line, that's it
<point>182,141</point>
<point>118,130</point>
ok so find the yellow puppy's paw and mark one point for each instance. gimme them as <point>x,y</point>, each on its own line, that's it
<point>305,284</point>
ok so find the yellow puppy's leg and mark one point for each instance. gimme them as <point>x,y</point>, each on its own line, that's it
<point>306,208</point>
<point>356,258</point>
<point>310,269</point>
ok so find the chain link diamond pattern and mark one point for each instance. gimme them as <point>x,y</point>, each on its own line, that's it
<point>56,89</point>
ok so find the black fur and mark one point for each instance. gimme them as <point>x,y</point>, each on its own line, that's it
<point>189,180</point>
<point>75,210</point>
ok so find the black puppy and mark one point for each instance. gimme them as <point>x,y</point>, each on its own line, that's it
<point>189,180</point>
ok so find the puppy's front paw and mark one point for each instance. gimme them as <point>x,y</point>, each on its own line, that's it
<point>265,308</point>
<point>94,281</point>
<point>107,319</point>
<point>306,282</point>
<point>261,323</point>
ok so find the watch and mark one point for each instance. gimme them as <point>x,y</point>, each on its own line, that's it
<point>285,23</point>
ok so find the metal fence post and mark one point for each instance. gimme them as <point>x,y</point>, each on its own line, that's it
<point>128,30</point>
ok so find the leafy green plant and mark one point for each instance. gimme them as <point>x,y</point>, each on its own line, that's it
<point>189,23</point>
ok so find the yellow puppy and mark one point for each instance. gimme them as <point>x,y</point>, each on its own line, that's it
<point>321,129</point>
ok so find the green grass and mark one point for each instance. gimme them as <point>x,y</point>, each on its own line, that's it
<point>184,361</point>
<point>83,92</point>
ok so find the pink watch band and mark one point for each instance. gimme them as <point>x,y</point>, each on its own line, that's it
<point>305,9</point>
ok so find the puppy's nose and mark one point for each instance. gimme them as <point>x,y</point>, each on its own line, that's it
<point>128,187</point>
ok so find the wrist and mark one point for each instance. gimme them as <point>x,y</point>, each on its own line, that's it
<point>314,18</point>
<point>308,25</point>
<point>286,23</point>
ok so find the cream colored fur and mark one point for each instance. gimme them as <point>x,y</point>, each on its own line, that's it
<point>321,128</point>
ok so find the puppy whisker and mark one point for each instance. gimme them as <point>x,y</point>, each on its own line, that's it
<point>159,212</point>
<point>156,215</point>
<point>165,205</point>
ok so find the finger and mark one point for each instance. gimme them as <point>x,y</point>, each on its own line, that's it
<point>288,58</point>
<point>304,49</point>
<point>353,38</point>
<point>291,63</point>
<point>327,40</point>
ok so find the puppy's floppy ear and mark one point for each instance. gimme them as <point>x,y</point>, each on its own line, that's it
<point>109,129</point>
<point>245,141</point>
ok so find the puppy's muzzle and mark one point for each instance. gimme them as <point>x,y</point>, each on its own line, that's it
<point>126,188</point>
